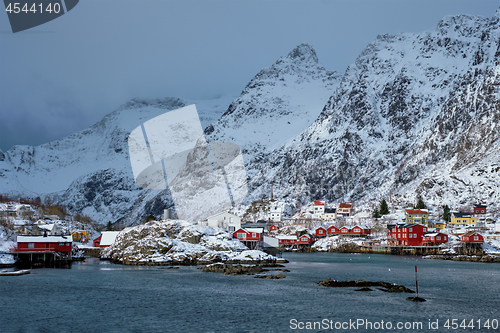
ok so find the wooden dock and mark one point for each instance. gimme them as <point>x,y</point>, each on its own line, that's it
<point>400,250</point>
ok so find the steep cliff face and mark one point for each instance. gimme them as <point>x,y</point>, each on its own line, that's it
<point>409,106</point>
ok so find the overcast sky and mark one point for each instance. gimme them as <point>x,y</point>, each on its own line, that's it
<point>65,75</point>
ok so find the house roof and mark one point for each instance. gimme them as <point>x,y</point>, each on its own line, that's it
<point>286,237</point>
<point>7,207</point>
<point>48,227</point>
<point>479,206</point>
<point>345,205</point>
<point>258,230</point>
<point>411,211</point>
<point>471,233</point>
<point>362,226</point>
<point>330,210</point>
<point>221,213</point>
<point>433,234</point>
<point>319,203</point>
<point>108,237</point>
<point>461,214</point>
<point>41,239</point>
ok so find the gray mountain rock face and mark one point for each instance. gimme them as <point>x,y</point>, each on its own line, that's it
<point>416,113</point>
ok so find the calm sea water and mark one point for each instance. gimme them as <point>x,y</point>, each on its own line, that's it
<point>97,296</point>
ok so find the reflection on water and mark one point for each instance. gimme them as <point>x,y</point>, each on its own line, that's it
<point>96,293</point>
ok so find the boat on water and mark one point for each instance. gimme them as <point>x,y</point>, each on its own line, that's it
<point>15,273</point>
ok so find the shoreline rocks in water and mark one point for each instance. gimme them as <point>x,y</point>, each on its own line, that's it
<point>386,286</point>
<point>238,268</point>
<point>415,299</point>
<point>270,277</point>
<point>476,258</point>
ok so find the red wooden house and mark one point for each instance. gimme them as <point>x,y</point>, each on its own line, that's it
<point>305,239</point>
<point>407,235</point>
<point>97,242</point>
<point>250,236</point>
<point>472,237</point>
<point>345,230</point>
<point>480,209</point>
<point>359,229</point>
<point>286,240</point>
<point>273,227</point>
<point>434,238</point>
<point>44,244</point>
<point>333,230</point>
<point>320,232</point>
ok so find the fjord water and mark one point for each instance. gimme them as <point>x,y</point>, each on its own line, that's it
<point>98,296</point>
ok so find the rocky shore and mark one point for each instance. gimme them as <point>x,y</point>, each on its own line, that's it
<point>477,258</point>
<point>385,286</point>
<point>175,243</point>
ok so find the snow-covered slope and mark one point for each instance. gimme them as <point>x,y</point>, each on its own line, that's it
<point>414,113</point>
<point>277,104</point>
<point>90,171</point>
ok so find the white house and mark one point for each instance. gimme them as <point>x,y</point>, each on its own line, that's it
<point>318,207</point>
<point>276,213</point>
<point>329,214</point>
<point>225,220</point>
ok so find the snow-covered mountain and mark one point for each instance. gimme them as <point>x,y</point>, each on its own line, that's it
<point>416,113</point>
<point>279,103</point>
<point>89,171</point>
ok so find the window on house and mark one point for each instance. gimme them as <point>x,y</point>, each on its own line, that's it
<point>482,211</point>
<point>411,236</point>
<point>438,238</point>
<point>414,235</point>
<point>425,229</point>
<point>240,235</point>
<point>253,234</point>
<point>475,238</point>
<point>31,245</point>
<point>410,229</point>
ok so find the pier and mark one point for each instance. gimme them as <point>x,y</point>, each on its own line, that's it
<point>400,250</point>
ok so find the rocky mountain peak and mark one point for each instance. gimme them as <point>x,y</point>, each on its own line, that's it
<point>304,53</point>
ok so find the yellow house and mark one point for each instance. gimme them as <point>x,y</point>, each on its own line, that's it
<point>417,216</point>
<point>440,225</point>
<point>80,236</point>
<point>462,219</point>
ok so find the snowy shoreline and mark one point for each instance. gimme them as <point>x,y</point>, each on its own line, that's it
<point>176,242</point>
